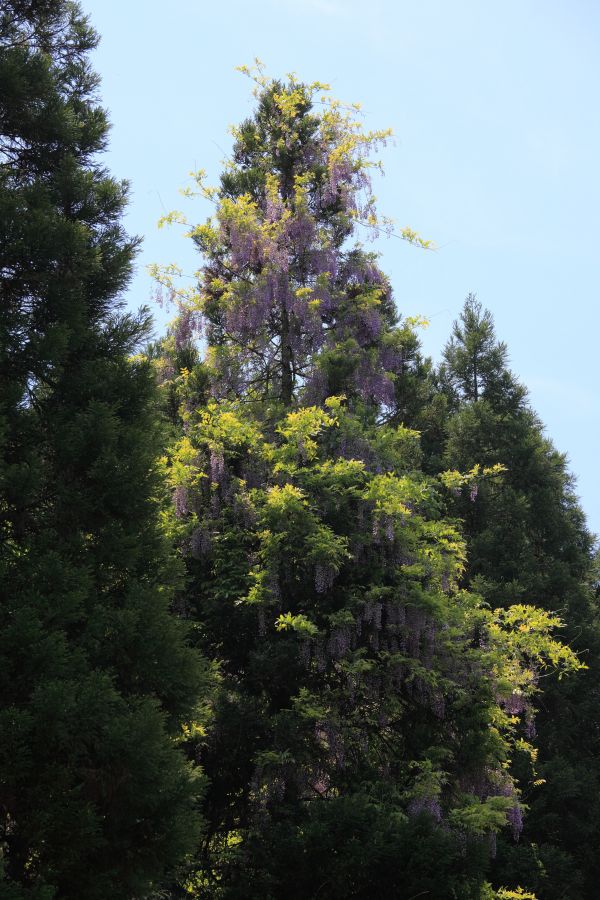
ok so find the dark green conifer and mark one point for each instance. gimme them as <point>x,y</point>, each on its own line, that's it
<point>527,542</point>
<point>96,800</point>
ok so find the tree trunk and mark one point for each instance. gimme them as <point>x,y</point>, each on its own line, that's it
<point>287,374</point>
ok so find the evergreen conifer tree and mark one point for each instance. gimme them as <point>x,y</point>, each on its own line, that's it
<point>365,712</point>
<point>96,800</point>
<point>527,542</point>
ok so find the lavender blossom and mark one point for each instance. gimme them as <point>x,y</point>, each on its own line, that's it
<point>262,625</point>
<point>426,804</point>
<point>180,499</point>
<point>338,644</point>
<point>515,820</point>
<point>200,543</point>
<point>324,578</point>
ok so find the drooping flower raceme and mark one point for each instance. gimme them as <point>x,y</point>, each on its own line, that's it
<point>289,305</point>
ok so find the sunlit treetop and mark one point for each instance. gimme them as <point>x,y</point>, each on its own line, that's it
<point>283,280</point>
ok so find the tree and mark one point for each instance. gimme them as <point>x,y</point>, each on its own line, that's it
<point>365,711</point>
<point>285,311</point>
<point>527,542</point>
<point>96,675</point>
<point>474,364</point>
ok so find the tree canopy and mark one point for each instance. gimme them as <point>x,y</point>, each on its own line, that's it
<point>369,697</point>
<point>96,674</point>
<point>287,609</point>
<point>527,539</point>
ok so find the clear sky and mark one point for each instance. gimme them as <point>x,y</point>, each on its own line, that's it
<point>496,158</point>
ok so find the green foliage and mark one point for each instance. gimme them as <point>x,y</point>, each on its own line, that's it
<point>518,894</point>
<point>346,649</point>
<point>375,701</point>
<point>527,543</point>
<point>474,365</point>
<point>298,623</point>
<point>287,305</point>
<point>375,557</point>
<point>96,674</point>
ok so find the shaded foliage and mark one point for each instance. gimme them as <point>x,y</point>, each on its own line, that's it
<point>95,673</point>
<point>366,699</point>
<point>527,542</point>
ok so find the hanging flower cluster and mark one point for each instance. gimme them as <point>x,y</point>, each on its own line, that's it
<point>322,574</point>
<point>347,569</point>
<point>288,304</point>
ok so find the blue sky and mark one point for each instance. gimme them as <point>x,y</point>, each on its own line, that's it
<point>496,156</point>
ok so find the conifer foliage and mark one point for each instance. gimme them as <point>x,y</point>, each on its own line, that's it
<point>95,674</point>
<point>527,542</point>
<point>373,555</point>
<point>368,706</point>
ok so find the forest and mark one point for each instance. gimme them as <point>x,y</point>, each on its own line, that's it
<point>287,609</point>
